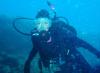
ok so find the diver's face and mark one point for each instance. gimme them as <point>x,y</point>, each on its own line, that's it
<point>43,24</point>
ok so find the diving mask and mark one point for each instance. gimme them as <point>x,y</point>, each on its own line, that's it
<point>42,24</point>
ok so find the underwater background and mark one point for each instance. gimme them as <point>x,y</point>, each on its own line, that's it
<point>83,15</point>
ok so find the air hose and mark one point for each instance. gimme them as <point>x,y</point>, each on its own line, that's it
<point>54,18</point>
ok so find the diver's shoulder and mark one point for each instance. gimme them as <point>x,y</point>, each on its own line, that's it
<point>34,32</point>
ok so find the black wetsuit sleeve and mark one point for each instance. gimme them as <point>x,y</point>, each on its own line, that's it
<point>31,56</point>
<point>35,40</point>
<point>84,44</point>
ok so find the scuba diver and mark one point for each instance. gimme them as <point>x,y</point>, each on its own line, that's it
<point>57,44</point>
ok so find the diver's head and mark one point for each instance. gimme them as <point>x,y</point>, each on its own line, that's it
<point>43,21</point>
<point>43,13</point>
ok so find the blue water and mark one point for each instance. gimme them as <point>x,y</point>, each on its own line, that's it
<point>84,15</point>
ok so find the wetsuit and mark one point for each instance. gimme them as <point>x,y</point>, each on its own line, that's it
<point>59,47</point>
